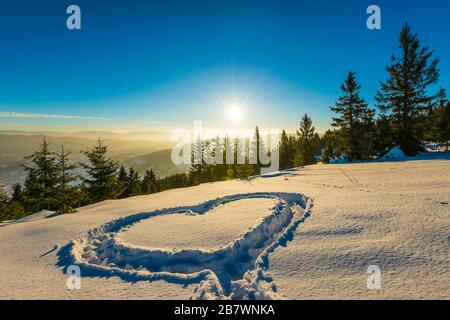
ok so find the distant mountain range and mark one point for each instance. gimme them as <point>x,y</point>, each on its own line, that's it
<point>140,150</point>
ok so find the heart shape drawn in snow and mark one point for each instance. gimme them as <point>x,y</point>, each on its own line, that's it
<point>236,271</point>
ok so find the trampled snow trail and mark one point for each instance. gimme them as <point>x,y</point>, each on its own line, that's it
<point>236,271</point>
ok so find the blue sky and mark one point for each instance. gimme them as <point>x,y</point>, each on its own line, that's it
<point>144,64</point>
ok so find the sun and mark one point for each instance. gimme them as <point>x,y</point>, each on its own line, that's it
<point>234,113</point>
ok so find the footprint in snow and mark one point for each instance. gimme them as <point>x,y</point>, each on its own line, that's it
<point>236,271</point>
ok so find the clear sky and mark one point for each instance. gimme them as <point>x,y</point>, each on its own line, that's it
<point>144,64</point>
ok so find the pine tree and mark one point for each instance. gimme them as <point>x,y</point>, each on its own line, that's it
<point>383,135</point>
<point>179,180</point>
<point>354,121</point>
<point>367,134</point>
<point>245,169</point>
<point>133,184</point>
<point>220,167</point>
<point>441,121</point>
<point>41,180</point>
<point>9,209</point>
<point>329,144</point>
<point>285,151</point>
<point>197,168</point>
<point>224,170</point>
<point>66,193</point>
<point>429,122</point>
<point>101,183</point>
<point>208,165</point>
<point>44,163</point>
<point>32,187</point>
<point>404,96</point>
<point>149,183</point>
<point>17,195</point>
<point>292,150</point>
<point>256,148</point>
<point>306,135</point>
<point>122,180</point>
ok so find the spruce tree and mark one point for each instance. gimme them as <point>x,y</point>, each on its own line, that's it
<point>224,171</point>
<point>367,134</point>
<point>441,121</point>
<point>17,195</point>
<point>327,153</point>
<point>42,176</point>
<point>149,182</point>
<point>285,151</point>
<point>306,137</point>
<point>101,182</point>
<point>9,209</point>
<point>220,166</point>
<point>122,180</point>
<point>245,169</point>
<point>354,121</point>
<point>32,188</point>
<point>197,168</point>
<point>66,192</point>
<point>256,148</point>
<point>404,96</point>
<point>133,186</point>
<point>208,166</point>
<point>383,135</point>
<point>329,144</point>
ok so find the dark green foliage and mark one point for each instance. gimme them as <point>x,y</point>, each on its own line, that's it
<point>174,181</point>
<point>306,143</point>
<point>329,144</point>
<point>133,185</point>
<point>101,183</point>
<point>327,153</point>
<point>149,182</point>
<point>383,136</point>
<point>222,170</point>
<point>11,211</point>
<point>41,181</point>
<point>256,149</point>
<point>66,194</point>
<point>198,165</point>
<point>355,123</point>
<point>10,208</point>
<point>122,180</point>
<point>17,195</point>
<point>442,130</point>
<point>439,128</point>
<point>242,167</point>
<point>404,96</point>
<point>287,149</point>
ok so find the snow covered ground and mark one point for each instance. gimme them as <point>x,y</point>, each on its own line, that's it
<point>300,234</point>
<point>224,224</point>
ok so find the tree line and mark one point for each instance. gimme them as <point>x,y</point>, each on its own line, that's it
<point>54,182</point>
<point>406,113</point>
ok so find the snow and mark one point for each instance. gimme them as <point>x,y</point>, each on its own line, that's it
<point>306,233</point>
<point>102,252</point>
<point>225,223</point>
<point>395,153</point>
<point>43,214</point>
<point>342,159</point>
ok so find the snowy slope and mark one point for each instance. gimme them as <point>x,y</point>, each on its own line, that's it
<point>301,234</point>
